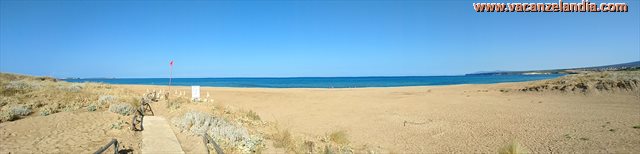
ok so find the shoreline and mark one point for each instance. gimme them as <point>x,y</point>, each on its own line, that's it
<point>328,83</point>
<point>373,87</point>
<point>267,88</point>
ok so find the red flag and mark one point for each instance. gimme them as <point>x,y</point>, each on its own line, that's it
<point>171,63</point>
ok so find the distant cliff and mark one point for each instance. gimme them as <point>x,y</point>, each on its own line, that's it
<point>624,66</point>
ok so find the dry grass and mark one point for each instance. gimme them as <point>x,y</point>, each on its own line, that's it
<point>283,139</point>
<point>243,131</point>
<point>589,82</point>
<point>46,96</point>
<point>339,137</point>
<point>174,103</point>
<point>252,115</point>
<point>335,142</point>
<point>513,148</point>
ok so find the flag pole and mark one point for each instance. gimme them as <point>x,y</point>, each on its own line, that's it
<point>170,78</point>
<point>170,73</point>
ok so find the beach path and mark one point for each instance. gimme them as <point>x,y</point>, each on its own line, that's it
<point>158,137</point>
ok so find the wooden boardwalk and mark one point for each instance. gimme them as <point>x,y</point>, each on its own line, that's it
<point>158,137</point>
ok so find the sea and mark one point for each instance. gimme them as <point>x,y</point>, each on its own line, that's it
<point>324,82</point>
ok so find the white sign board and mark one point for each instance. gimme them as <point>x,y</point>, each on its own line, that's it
<point>195,93</point>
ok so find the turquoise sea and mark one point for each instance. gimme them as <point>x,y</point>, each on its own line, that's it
<point>324,82</point>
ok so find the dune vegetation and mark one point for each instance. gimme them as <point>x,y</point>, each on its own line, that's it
<point>23,96</point>
<point>587,82</point>
<point>235,130</point>
<point>243,131</point>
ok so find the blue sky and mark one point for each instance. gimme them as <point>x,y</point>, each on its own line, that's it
<point>303,38</point>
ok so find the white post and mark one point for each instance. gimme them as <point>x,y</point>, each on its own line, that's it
<point>195,93</point>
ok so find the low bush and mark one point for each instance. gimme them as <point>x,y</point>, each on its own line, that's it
<point>46,111</point>
<point>46,95</point>
<point>49,109</point>
<point>15,112</point>
<point>22,86</point>
<point>121,108</point>
<point>7,100</point>
<point>92,107</point>
<point>117,125</point>
<point>106,99</point>
<point>222,131</point>
<point>74,87</point>
<point>21,110</point>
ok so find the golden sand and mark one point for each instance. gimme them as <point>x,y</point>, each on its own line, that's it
<point>427,119</point>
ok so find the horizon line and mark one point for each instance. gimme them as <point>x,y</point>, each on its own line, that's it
<point>364,76</point>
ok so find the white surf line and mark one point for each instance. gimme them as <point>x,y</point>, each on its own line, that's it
<point>157,137</point>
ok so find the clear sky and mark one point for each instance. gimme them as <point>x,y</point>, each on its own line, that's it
<point>303,38</point>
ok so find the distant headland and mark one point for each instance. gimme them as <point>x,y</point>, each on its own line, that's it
<point>616,67</point>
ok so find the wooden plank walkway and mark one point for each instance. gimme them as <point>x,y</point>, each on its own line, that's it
<point>157,137</point>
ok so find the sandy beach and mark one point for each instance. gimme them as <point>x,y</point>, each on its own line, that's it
<point>448,119</point>
<point>319,77</point>
<point>479,118</point>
